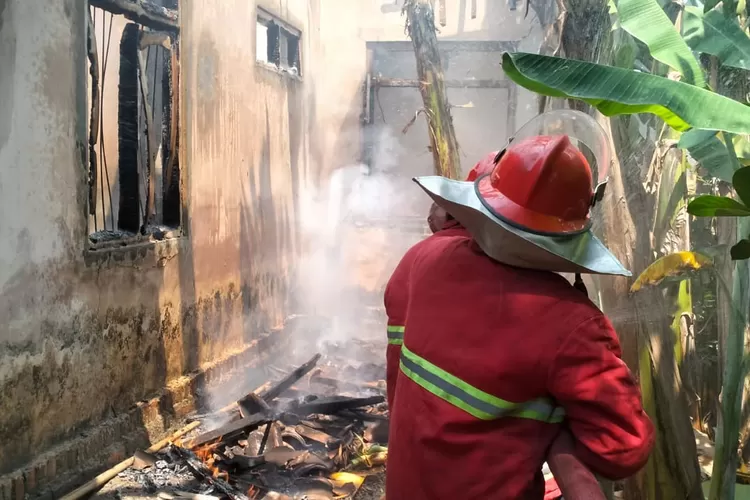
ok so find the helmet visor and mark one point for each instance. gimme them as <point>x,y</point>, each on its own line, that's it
<point>583,131</point>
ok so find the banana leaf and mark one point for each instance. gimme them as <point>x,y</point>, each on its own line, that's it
<point>670,266</point>
<point>742,149</point>
<point>741,184</point>
<point>710,4</point>
<point>716,34</point>
<point>717,206</point>
<point>617,91</point>
<point>646,21</point>
<point>740,250</point>
<point>708,150</point>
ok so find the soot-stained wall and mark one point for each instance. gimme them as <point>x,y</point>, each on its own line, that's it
<point>84,335</point>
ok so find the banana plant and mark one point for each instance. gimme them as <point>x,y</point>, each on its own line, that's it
<point>718,35</point>
<point>616,91</point>
<point>724,206</point>
<point>712,128</point>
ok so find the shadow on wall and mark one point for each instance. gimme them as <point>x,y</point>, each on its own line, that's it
<point>8,63</point>
<point>260,259</point>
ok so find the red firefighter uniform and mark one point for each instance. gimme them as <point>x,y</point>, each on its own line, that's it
<point>500,353</point>
<point>396,290</point>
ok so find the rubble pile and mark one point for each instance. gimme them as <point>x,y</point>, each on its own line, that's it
<point>316,433</point>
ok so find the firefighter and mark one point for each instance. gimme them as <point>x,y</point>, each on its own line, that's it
<point>442,225</point>
<point>500,354</point>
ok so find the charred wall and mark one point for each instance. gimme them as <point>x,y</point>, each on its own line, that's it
<point>85,334</point>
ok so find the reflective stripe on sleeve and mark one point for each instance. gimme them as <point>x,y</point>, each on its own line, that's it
<point>395,335</point>
<point>470,399</point>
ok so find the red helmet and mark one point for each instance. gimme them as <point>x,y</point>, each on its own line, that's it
<point>542,184</point>
<point>483,167</point>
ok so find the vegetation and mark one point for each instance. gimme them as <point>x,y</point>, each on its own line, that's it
<point>657,72</point>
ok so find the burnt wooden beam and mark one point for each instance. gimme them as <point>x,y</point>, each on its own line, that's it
<point>260,404</point>
<point>446,46</point>
<point>94,118</point>
<point>129,215</point>
<point>252,403</point>
<point>287,382</point>
<point>142,12</point>
<point>246,424</point>
<point>335,404</point>
<point>150,140</point>
<point>469,84</point>
<point>171,204</point>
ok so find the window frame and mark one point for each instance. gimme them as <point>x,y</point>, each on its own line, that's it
<point>287,30</point>
<point>168,138</point>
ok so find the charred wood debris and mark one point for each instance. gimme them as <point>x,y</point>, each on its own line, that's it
<point>308,435</point>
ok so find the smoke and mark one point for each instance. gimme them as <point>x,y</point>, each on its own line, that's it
<point>348,240</point>
<point>349,254</point>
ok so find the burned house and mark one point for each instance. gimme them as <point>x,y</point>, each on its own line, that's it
<point>175,178</point>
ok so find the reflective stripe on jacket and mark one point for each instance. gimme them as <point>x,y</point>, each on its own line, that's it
<point>470,399</point>
<point>395,335</point>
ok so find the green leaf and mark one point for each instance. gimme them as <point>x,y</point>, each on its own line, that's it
<point>646,21</point>
<point>617,91</point>
<point>717,206</point>
<point>741,183</point>
<point>714,33</point>
<point>710,4</point>
<point>742,149</point>
<point>729,144</point>
<point>708,150</point>
<point>741,250</point>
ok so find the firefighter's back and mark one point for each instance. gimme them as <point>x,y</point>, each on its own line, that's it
<point>472,418</point>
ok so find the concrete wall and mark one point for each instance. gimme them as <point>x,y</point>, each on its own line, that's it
<point>84,335</point>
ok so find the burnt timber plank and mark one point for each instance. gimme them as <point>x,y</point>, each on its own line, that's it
<point>471,84</point>
<point>251,422</point>
<point>287,382</point>
<point>142,12</point>
<point>334,404</point>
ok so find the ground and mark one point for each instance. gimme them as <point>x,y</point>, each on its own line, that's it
<point>126,487</point>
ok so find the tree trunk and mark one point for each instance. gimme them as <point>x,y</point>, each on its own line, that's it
<point>420,24</point>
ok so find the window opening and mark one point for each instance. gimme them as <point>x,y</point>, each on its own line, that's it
<point>277,43</point>
<point>134,164</point>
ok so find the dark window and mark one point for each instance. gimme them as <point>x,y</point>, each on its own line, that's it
<point>135,193</point>
<point>277,43</point>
